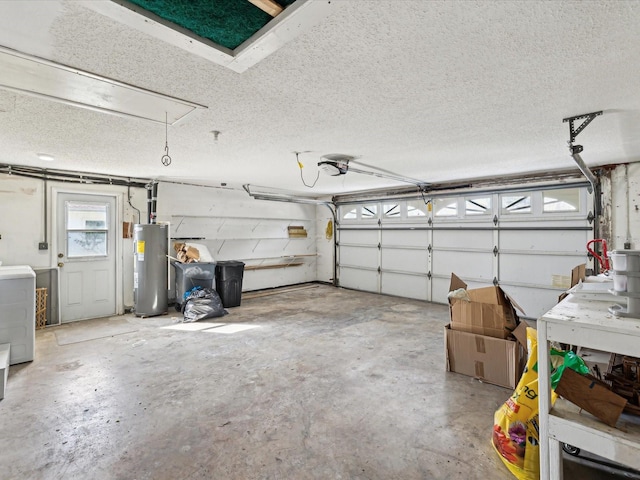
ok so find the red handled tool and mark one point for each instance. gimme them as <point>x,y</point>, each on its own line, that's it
<point>604,259</point>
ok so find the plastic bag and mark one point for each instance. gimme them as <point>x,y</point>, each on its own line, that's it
<point>515,426</point>
<point>202,303</point>
<point>460,293</point>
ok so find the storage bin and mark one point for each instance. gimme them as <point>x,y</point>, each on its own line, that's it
<point>626,260</point>
<point>624,281</point>
<point>190,275</point>
<point>229,275</point>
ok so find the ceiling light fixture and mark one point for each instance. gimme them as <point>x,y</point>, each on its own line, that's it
<point>166,159</point>
<point>45,157</point>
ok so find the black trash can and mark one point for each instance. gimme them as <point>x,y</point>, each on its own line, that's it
<point>189,275</point>
<point>229,282</point>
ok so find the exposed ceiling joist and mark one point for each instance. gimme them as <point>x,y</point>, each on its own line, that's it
<point>268,6</point>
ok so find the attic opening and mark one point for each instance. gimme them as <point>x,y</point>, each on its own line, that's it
<point>228,24</point>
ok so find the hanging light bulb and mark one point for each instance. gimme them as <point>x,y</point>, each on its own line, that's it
<point>166,159</point>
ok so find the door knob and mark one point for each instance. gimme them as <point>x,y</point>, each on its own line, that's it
<point>60,264</point>
<point>60,255</point>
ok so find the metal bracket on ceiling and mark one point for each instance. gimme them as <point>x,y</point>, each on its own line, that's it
<point>573,132</point>
<point>577,149</point>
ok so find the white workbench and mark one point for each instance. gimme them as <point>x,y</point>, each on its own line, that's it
<point>588,323</point>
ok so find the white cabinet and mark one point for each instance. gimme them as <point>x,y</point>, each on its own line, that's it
<point>587,323</point>
<point>18,311</point>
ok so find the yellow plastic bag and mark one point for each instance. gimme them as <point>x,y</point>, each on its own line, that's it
<point>515,426</point>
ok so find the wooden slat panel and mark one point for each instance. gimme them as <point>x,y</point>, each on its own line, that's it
<point>268,6</point>
<point>591,396</point>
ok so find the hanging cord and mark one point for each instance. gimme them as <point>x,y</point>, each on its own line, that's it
<point>302,177</point>
<point>166,159</point>
<point>427,203</point>
<point>129,200</point>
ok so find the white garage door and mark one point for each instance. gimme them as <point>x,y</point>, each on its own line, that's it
<point>526,240</point>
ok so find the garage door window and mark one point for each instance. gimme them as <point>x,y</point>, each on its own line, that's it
<point>350,214</point>
<point>369,212</point>
<point>516,204</point>
<point>562,200</point>
<point>391,210</point>
<point>478,206</point>
<point>416,208</point>
<point>446,207</point>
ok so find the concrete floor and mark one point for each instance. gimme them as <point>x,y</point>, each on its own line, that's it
<point>331,384</point>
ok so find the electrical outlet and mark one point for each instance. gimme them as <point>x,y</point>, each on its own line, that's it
<point>43,246</point>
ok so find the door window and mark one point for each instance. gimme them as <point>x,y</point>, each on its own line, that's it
<point>87,226</point>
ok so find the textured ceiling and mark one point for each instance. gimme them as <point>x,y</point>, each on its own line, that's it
<point>431,90</point>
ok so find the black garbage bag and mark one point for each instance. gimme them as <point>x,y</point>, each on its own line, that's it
<point>202,303</point>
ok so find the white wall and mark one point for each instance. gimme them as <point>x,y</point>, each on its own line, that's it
<point>234,226</point>
<point>621,202</point>
<point>22,222</point>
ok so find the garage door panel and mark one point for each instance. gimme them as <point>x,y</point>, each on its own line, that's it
<point>408,238</point>
<point>359,256</point>
<point>463,239</point>
<point>537,269</point>
<point>405,260</point>
<point>364,280</point>
<point>467,264</point>
<point>440,289</point>
<point>544,240</point>
<point>359,237</point>
<point>398,284</point>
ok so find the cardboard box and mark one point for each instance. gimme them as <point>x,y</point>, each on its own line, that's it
<point>185,253</point>
<point>578,274</point>
<point>492,360</point>
<point>490,312</point>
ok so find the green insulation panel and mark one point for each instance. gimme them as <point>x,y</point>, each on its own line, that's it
<point>225,22</point>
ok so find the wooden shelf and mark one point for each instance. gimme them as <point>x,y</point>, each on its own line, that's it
<point>280,261</point>
<point>279,265</point>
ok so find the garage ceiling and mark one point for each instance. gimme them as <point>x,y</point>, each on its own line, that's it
<point>432,90</point>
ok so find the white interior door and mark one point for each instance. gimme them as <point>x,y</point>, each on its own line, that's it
<point>86,234</point>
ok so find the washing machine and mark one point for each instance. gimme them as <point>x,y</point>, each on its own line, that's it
<point>18,311</point>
